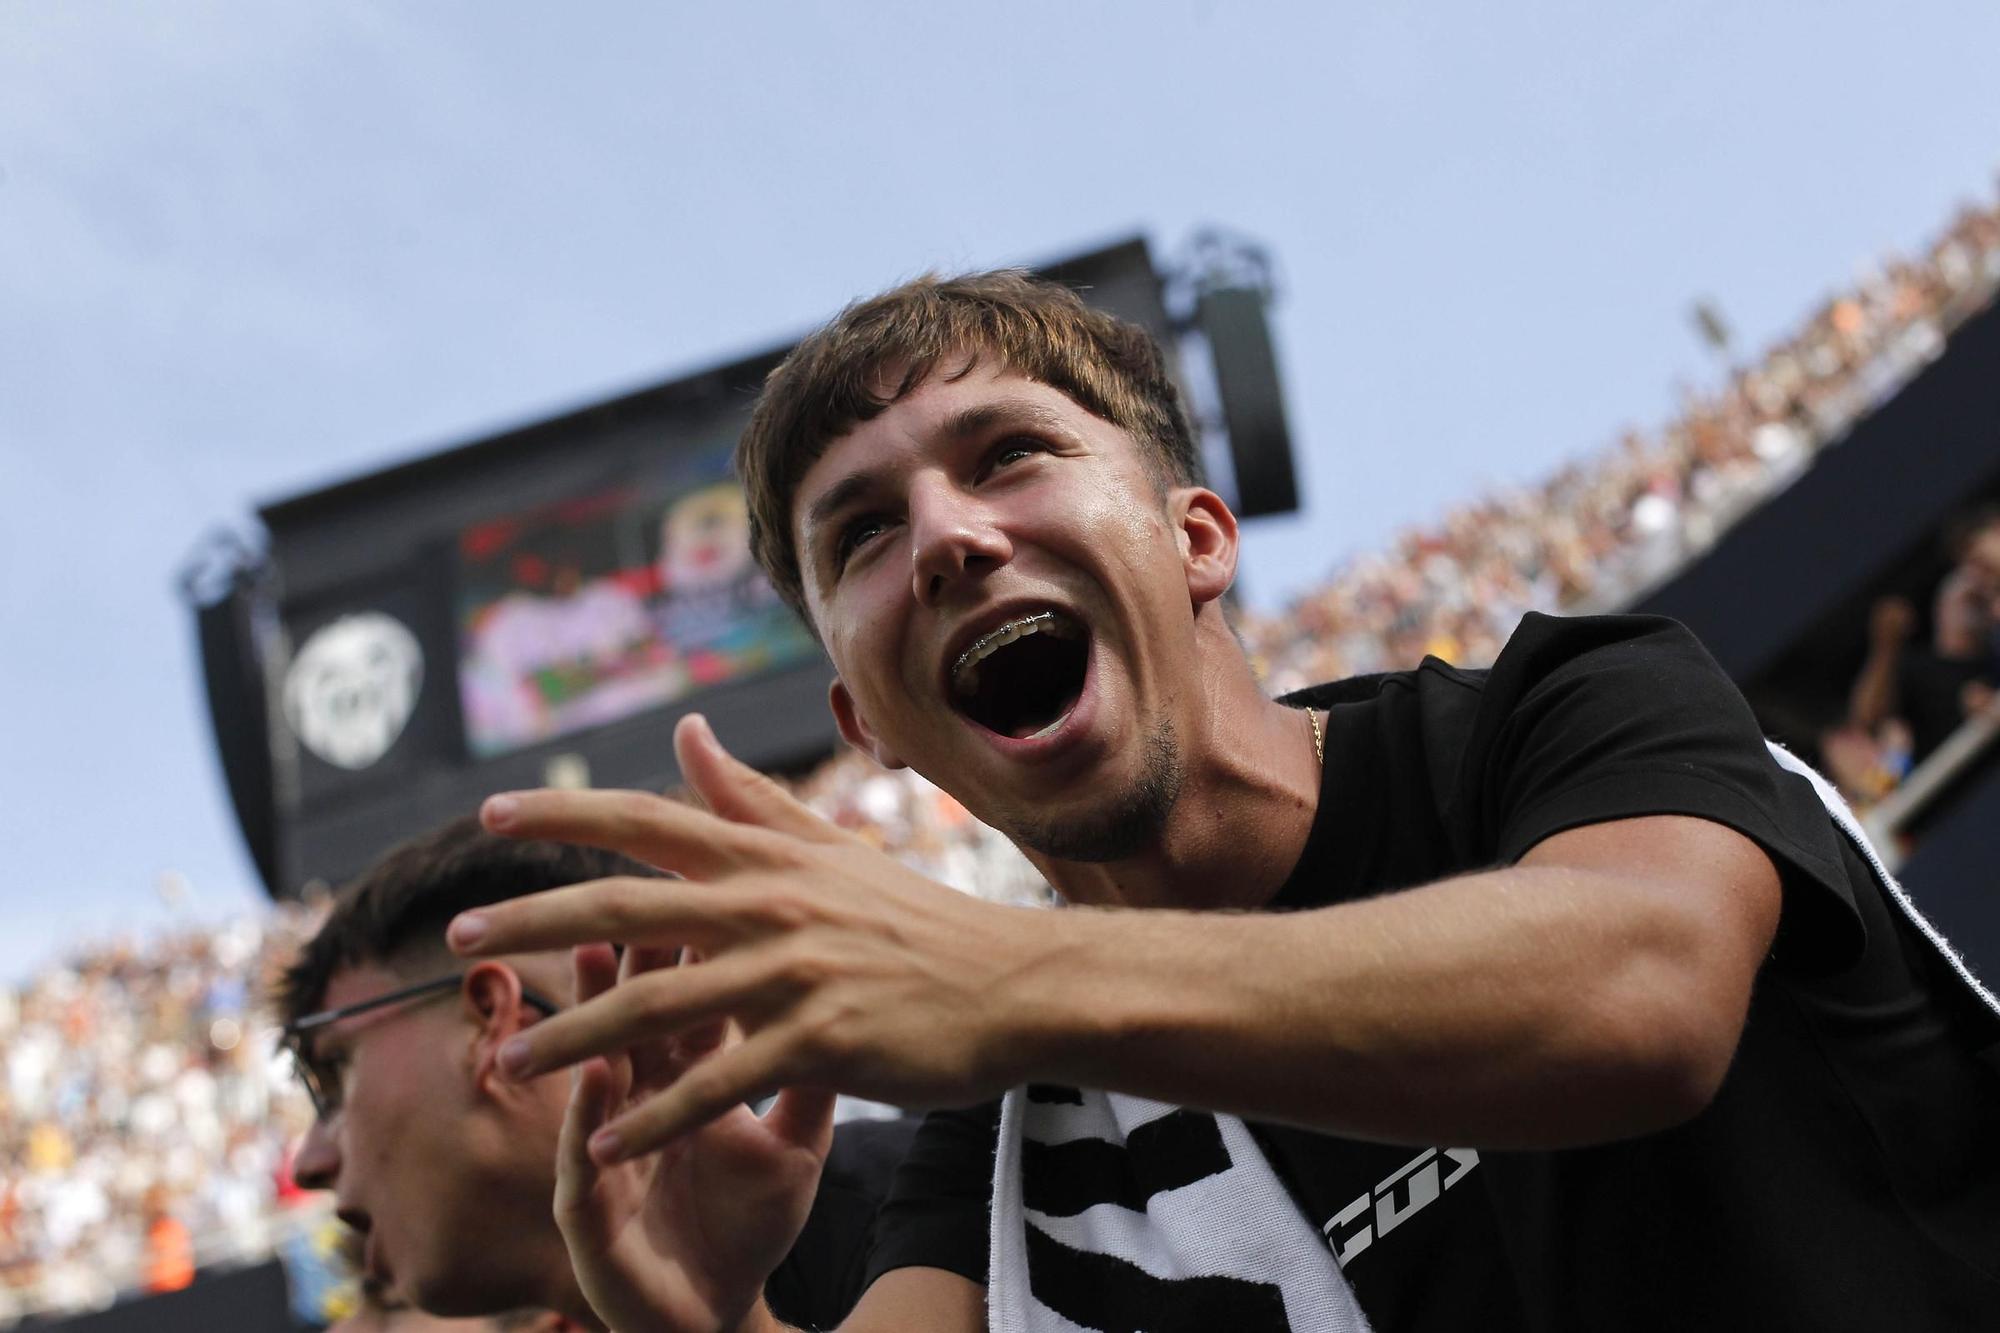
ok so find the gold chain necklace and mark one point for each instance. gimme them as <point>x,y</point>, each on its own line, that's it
<point>1319,737</point>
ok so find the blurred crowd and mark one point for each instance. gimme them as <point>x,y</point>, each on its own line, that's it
<point>144,1115</point>
<point>1602,531</point>
<point>902,813</point>
<point>1926,672</point>
<point>144,1110</point>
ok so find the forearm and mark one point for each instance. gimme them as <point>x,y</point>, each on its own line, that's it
<point>1506,1009</point>
<point>1874,695</point>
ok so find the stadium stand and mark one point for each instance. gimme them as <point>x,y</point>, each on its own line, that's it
<point>148,1113</point>
<point>141,1087</point>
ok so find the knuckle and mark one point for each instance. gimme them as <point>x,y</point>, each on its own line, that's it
<point>824,1039</point>
<point>634,804</point>
<point>750,783</point>
<point>781,910</point>
<point>657,1000</point>
<point>803,968</point>
<point>635,811</point>
<point>771,847</point>
<point>625,902</point>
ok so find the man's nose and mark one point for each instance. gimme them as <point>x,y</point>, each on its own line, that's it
<point>316,1165</point>
<point>953,536</point>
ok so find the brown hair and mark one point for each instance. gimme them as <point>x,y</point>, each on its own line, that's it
<point>878,350</point>
<point>404,901</point>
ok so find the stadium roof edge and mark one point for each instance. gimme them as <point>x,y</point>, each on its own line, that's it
<point>748,370</point>
<point>451,457</point>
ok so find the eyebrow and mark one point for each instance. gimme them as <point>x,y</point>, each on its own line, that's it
<point>832,500</point>
<point>982,417</point>
<point>965,424</point>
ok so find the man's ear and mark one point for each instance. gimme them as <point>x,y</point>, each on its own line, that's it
<point>854,728</point>
<point>491,993</point>
<point>1208,541</point>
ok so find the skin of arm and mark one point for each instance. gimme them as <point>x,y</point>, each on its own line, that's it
<point>1873,698</point>
<point>1592,992</point>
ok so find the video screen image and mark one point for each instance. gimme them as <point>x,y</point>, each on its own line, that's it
<point>597,608</point>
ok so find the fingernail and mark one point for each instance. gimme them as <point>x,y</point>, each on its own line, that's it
<point>467,929</point>
<point>606,1146</point>
<point>499,811</point>
<point>514,1056</point>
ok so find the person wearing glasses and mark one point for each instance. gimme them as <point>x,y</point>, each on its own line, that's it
<point>444,1167</point>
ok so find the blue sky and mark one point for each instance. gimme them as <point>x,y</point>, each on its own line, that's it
<point>246,249</point>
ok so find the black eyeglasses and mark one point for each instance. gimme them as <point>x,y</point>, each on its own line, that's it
<point>322,1081</point>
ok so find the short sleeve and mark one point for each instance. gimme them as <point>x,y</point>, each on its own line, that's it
<point>936,1213</point>
<point>822,1277</point>
<point>1600,718</point>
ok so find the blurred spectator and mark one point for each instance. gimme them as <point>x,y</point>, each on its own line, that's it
<point>1873,748</point>
<point>1910,695</point>
<point>1967,618</point>
<point>169,1247</point>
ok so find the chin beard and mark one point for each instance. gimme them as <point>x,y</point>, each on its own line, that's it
<point>1117,827</point>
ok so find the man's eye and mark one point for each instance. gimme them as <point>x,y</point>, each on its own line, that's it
<point>854,536</point>
<point>1012,451</point>
<point>332,1071</point>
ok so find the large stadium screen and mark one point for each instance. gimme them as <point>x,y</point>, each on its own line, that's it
<point>538,605</point>
<point>589,610</point>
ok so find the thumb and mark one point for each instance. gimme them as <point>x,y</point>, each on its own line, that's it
<point>803,1117</point>
<point>734,791</point>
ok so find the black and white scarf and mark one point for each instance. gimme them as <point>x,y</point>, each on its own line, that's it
<point>1123,1215</point>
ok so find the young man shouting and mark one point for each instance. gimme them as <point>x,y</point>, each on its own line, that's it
<point>1545,997</point>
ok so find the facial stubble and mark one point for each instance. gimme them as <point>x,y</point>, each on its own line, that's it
<point>1122,823</point>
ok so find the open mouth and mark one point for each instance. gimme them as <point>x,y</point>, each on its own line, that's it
<point>1022,678</point>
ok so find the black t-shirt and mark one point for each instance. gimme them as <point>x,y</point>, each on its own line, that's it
<point>817,1284</point>
<point>1931,695</point>
<point>1847,1173</point>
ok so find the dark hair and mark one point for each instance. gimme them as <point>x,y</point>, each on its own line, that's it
<point>404,901</point>
<point>1964,528</point>
<point>876,351</point>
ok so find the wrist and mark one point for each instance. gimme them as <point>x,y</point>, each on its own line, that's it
<point>1043,1023</point>
<point>1106,990</point>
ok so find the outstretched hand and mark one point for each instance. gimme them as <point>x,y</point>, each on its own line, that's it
<point>842,969</point>
<point>681,1239</point>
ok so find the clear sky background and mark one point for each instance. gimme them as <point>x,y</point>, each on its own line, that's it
<point>247,249</point>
